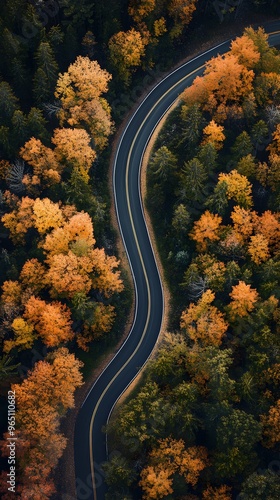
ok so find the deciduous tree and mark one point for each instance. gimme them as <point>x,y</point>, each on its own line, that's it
<point>203,322</point>
<point>80,92</point>
<point>214,133</point>
<point>126,51</point>
<point>243,299</point>
<point>206,229</point>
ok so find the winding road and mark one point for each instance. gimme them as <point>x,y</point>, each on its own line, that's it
<point>90,441</point>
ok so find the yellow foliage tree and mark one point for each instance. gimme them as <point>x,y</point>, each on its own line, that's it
<point>126,51</point>
<point>181,11</point>
<point>23,336</point>
<point>238,188</point>
<point>73,149</point>
<point>80,91</point>
<point>46,215</point>
<point>140,9</point>
<point>214,133</point>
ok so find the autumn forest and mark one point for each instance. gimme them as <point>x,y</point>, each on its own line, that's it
<point>204,423</point>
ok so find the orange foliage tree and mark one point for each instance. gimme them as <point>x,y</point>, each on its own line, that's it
<point>203,322</point>
<point>42,398</point>
<point>222,492</point>
<point>243,300</point>
<point>206,229</point>
<point>168,458</point>
<point>52,321</point>
<point>140,9</point>
<point>181,11</point>
<point>19,220</point>
<point>258,248</point>
<point>46,167</point>
<point>224,85</point>
<point>271,426</point>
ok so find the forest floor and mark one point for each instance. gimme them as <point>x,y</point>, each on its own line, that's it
<point>204,39</point>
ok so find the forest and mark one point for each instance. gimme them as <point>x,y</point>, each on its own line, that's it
<point>205,422</point>
<point>69,74</point>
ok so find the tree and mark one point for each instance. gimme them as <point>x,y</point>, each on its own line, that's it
<point>181,220</point>
<point>78,228</point>
<point>245,50</point>
<point>268,225</point>
<point>192,124</point>
<point>206,229</point>
<point>214,133</point>
<point>259,135</point>
<point>73,148</point>
<point>238,188</point>
<point>46,74</point>
<point>43,161</point>
<point>8,103</point>
<point>203,322</point>
<point>246,166</point>
<point>52,321</point>
<point>260,485</point>
<point>258,249</point>
<point>105,278</point>
<point>224,84</point>
<point>126,51</point>
<point>271,426</point>
<point>181,11</point>
<point>32,275</point>
<point>69,274</point>
<point>242,146</point>
<point>7,369</point>
<point>237,435</point>
<point>80,92</point>
<point>222,492</point>
<point>19,220</point>
<point>118,473</point>
<point>168,458</point>
<point>163,166</point>
<point>23,336</point>
<point>46,215</point>
<point>243,299</point>
<point>138,10</point>
<point>192,181</point>
<point>243,222</point>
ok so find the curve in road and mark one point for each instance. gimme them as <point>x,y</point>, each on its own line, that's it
<point>90,442</point>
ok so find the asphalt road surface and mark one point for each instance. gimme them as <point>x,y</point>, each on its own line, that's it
<point>90,441</point>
